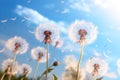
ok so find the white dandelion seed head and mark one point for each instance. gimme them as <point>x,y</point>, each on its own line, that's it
<point>58,43</point>
<point>89,27</point>
<point>35,54</point>
<point>25,66</point>
<point>8,62</point>
<point>10,44</point>
<point>39,33</point>
<point>103,66</point>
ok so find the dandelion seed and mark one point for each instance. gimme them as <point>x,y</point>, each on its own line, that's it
<point>4,21</point>
<point>13,19</point>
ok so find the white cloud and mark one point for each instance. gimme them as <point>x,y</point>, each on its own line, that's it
<point>36,18</point>
<point>111,75</point>
<point>79,5</point>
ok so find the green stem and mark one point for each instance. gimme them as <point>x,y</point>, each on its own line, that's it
<point>14,58</point>
<point>47,48</point>
<point>3,76</point>
<point>36,68</point>
<point>44,72</point>
<point>80,59</point>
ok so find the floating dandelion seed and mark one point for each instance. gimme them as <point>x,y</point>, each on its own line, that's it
<point>39,54</point>
<point>80,30</point>
<point>17,45</point>
<point>14,18</point>
<point>4,21</point>
<point>6,67</point>
<point>25,70</point>
<point>96,67</point>
<point>84,33</point>
<point>58,43</point>
<point>47,33</point>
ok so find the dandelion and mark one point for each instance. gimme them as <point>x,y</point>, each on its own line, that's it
<point>38,54</point>
<point>17,45</point>
<point>96,67</point>
<point>25,70</point>
<point>47,33</point>
<point>82,32</point>
<point>7,67</point>
<point>58,43</point>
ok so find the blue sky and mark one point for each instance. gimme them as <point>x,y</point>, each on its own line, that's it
<point>28,14</point>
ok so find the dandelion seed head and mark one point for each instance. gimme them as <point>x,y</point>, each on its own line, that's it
<point>7,64</point>
<point>58,43</point>
<point>97,64</point>
<point>39,54</point>
<point>47,31</point>
<point>25,69</point>
<point>17,43</point>
<point>82,29</point>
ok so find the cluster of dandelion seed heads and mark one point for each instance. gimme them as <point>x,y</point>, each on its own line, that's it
<point>35,54</point>
<point>25,66</point>
<point>89,27</point>
<point>58,43</point>
<point>103,66</point>
<point>39,33</point>
<point>10,44</point>
<point>8,62</point>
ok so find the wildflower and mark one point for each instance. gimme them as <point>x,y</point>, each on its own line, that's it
<point>80,31</point>
<point>39,54</point>
<point>96,67</point>
<point>17,45</point>
<point>25,70</point>
<point>58,43</point>
<point>7,66</point>
<point>47,33</point>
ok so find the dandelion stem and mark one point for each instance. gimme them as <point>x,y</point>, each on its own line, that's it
<point>94,77</point>
<point>80,59</point>
<point>44,72</point>
<point>47,48</point>
<point>14,58</point>
<point>36,68</point>
<point>3,76</point>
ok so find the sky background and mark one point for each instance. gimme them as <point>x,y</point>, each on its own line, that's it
<point>21,17</point>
